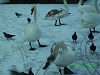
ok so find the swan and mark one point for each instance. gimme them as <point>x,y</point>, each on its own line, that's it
<point>33,33</point>
<point>91,20</point>
<point>86,8</point>
<point>62,55</point>
<point>57,14</point>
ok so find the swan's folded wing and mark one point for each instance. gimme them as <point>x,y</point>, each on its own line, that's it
<point>90,17</point>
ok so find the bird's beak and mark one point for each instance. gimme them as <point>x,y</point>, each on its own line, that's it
<point>32,11</point>
<point>46,65</point>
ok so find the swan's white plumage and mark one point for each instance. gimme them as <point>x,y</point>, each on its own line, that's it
<point>65,54</point>
<point>90,20</point>
<point>85,8</point>
<point>32,33</point>
<point>56,14</point>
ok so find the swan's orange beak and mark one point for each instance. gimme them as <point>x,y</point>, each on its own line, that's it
<point>32,11</point>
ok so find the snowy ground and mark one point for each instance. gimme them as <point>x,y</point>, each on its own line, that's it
<point>15,54</point>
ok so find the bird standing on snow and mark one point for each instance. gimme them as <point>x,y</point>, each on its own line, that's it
<point>74,37</point>
<point>90,36</point>
<point>91,20</point>
<point>18,14</point>
<point>93,47</point>
<point>13,72</point>
<point>57,14</point>
<point>62,55</point>
<point>8,36</point>
<point>29,20</point>
<point>32,33</point>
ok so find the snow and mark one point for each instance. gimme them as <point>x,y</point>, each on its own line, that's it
<point>15,54</point>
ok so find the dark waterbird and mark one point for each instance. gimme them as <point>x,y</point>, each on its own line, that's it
<point>8,36</point>
<point>90,36</point>
<point>74,37</point>
<point>18,14</point>
<point>93,47</point>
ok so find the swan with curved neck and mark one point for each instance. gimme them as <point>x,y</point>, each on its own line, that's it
<point>86,8</point>
<point>33,33</point>
<point>91,20</point>
<point>57,14</point>
<point>61,55</point>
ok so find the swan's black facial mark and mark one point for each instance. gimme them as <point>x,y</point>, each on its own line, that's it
<point>32,11</point>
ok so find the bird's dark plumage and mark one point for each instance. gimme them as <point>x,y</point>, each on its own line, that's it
<point>93,47</point>
<point>13,72</point>
<point>74,37</point>
<point>29,20</point>
<point>90,36</point>
<point>8,36</point>
<point>18,14</point>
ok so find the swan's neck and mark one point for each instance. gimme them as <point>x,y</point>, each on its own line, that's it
<point>66,5</point>
<point>80,2</point>
<point>96,6</point>
<point>58,46</point>
<point>35,26</point>
<point>35,11</point>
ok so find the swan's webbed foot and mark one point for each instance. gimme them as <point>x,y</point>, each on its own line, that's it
<point>68,71</point>
<point>62,24</point>
<point>59,23</point>
<point>94,31</point>
<point>41,45</point>
<point>32,49</point>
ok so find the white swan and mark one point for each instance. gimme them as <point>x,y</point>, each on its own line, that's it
<point>61,55</point>
<point>57,14</point>
<point>91,20</point>
<point>86,8</point>
<point>33,33</point>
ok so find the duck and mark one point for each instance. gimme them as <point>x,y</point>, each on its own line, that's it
<point>32,33</point>
<point>91,20</point>
<point>61,55</point>
<point>8,36</point>
<point>85,8</point>
<point>57,14</point>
